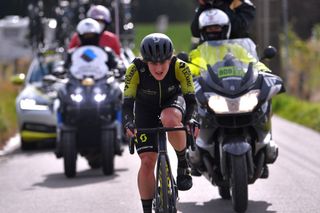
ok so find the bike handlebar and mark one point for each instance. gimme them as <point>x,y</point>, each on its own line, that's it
<point>190,137</point>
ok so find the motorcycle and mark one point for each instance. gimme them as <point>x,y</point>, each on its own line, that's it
<point>235,141</point>
<point>88,111</point>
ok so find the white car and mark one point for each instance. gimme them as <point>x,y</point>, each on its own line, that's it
<point>34,104</point>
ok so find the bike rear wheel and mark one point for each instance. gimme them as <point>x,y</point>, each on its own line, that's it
<point>166,190</point>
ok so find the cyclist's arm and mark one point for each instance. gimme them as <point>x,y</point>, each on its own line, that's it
<point>184,76</point>
<point>130,91</point>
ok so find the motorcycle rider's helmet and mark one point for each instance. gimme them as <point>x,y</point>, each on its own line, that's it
<point>101,14</point>
<point>156,47</point>
<point>214,24</point>
<point>89,31</point>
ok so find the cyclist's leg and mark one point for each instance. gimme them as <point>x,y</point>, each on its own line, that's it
<point>146,146</point>
<point>146,179</point>
<point>171,116</point>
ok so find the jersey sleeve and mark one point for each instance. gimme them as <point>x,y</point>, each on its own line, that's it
<point>130,91</point>
<point>184,76</point>
<point>131,82</point>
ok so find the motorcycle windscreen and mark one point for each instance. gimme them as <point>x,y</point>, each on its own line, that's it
<point>230,66</point>
<point>89,61</point>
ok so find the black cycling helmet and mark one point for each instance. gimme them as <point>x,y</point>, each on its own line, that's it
<point>156,47</point>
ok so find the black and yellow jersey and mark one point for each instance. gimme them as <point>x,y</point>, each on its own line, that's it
<point>142,87</point>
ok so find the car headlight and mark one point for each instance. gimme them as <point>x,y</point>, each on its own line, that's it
<point>76,97</point>
<point>223,105</point>
<point>100,97</point>
<point>31,104</point>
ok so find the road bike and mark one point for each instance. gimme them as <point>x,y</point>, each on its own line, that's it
<point>166,190</point>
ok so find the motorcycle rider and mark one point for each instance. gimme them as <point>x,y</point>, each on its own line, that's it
<point>107,39</point>
<point>214,24</point>
<point>240,12</point>
<point>158,85</point>
<point>89,31</point>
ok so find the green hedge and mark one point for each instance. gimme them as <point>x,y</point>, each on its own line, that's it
<point>298,111</point>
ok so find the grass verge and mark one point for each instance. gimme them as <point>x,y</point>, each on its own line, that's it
<point>8,121</point>
<point>298,111</point>
<point>179,33</point>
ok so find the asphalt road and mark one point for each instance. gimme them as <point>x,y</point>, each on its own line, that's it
<point>34,182</point>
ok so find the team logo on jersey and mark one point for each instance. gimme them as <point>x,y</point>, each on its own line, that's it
<point>182,65</point>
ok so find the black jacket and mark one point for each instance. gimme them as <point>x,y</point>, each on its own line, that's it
<point>240,19</point>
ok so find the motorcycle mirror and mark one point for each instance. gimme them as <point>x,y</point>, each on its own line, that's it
<point>269,53</point>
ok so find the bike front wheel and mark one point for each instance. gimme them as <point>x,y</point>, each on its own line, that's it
<point>166,190</point>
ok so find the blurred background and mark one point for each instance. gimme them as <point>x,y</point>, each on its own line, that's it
<point>291,26</point>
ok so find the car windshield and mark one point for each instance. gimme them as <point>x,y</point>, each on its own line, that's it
<point>42,66</point>
<point>39,70</point>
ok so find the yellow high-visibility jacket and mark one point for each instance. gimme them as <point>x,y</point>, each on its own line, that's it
<point>208,54</point>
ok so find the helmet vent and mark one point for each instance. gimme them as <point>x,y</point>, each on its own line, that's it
<point>157,53</point>
<point>150,49</point>
<point>164,48</point>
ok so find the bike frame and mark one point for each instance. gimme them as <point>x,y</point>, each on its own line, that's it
<point>166,191</point>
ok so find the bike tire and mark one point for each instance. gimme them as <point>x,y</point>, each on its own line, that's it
<point>166,190</point>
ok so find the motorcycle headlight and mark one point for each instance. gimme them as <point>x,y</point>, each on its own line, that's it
<point>242,104</point>
<point>88,82</point>
<point>100,97</point>
<point>76,97</point>
<point>31,104</point>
